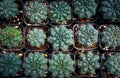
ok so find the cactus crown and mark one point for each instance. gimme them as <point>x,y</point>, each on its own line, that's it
<point>35,65</point>
<point>36,37</point>
<point>87,63</point>
<point>36,11</point>
<point>8,9</point>
<point>61,65</point>
<point>110,10</point>
<point>111,36</point>
<point>87,35</point>
<point>9,64</point>
<point>61,37</point>
<point>10,37</point>
<point>60,12</point>
<point>113,64</point>
<point>85,8</point>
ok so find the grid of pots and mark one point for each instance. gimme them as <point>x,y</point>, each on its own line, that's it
<point>97,55</point>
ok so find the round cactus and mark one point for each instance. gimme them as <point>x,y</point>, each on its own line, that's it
<point>61,37</point>
<point>36,37</point>
<point>35,65</point>
<point>87,63</point>
<point>61,65</point>
<point>8,9</point>
<point>60,12</point>
<point>86,35</point>
<point>112,64</point>
<point>111,36</point>
<point>9,64</point>
<point>110,10</point>
<point>10,37</point>
<point>85,8</point>
<point>36,11</point>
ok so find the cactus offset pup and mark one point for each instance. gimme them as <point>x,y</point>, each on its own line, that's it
<point>8,9</point>
<point>61,65</point>
<point>36,11</point>
<point>9,64</point>
<point>60,12</point>
<point>35,65</point>
<point>36,37</point>
<point>10,37</point>
<point>61,37</point>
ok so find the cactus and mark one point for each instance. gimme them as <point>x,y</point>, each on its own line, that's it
<point>8,9</point>
<point>85,8</point>
<point>10,37</point>
<point>9,64</point>
<point>110,10</point>
<point>61,37</point>
<point>111,36</point>
<point>112,64</point>
<point>36,37</point>
<point>60,12</point>
<point>87,63</point>
<point>36,11</point>
<point>35,65</point>
<point>86,35</point>
<point>61,65</point>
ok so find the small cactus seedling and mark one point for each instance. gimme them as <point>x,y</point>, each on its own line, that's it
<point>10,37</point>
<point>112,64</point>
<point>87,63</point>
<point>111,36</point>
<point>35,65</point>
<point>36,37</point>
<point>8,9</point>
<point>86,35</point>
<point>61,37</point>
<point>110,10</point>
<point>60,12</point>
<point>36,11</point>
<point>9,64</point>
<point>61,65</point>
<point>85,8</point>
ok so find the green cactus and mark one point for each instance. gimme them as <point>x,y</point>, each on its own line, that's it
<point>10,37</point>
<point>61,65</point>
<point>85,8</point>
<point>36,11</point>
<point>9,64</point>
<point>60,12</point>
<point>61,37</point>
<point>86,35</point>
<point>8,9</point>
<point>111,36</point>
<point>36,37</point>
<point>35,65</point>
<point>110,10</point>
<point>87,63</point>
<point>112,64</point>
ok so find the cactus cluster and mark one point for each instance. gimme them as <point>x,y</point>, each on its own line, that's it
<point>60,12</point>
<point>36,37</point>
<point>61,65</point>
<point>110,10</point>
<point>111,36</point>
<point>112,64</point>
<point>85,8</point>
<point>35,65</point>
<point>61,37</point>
<point>87,63</point>
<point>10,37</point>
<point>9,64</point>
<point>8,9</point>
<point>86,35</point>
<point>36,11</point>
